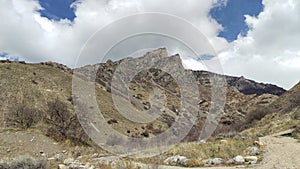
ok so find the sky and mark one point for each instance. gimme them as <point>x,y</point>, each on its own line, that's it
<point>257,39</point>
<point>232,17</point>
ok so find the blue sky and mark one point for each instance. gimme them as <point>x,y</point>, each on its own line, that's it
<point>6,56</point>
<point>231,16</point>
<point>57,9</point>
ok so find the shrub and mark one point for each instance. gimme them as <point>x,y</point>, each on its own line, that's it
<point>252,118</point>
<point>22,116</point>
<point>257,114</point>
<point>64,125</point>
<point>59,118</point>
<point>24,163</point>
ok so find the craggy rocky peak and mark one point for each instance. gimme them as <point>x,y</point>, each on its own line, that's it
<point>106,70</point>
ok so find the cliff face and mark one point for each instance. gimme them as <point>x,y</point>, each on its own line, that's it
<point>241,84</point>
<point>247,86</point>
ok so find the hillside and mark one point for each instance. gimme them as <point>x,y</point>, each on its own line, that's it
<point>35,85</point>
<point>238,101</point>
<point>284,114</point>
<point>37,101</point>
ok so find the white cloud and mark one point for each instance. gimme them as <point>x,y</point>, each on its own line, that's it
<point>193,64</point>
<point>26,34</point>
<point>270,51</point>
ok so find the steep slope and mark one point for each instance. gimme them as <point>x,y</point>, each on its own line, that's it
<point>33,85</point>
<point>239,101</point>
<point>289,101</point>
<point>39,96</point>
<point>284,115</point>
<point>46,89</point>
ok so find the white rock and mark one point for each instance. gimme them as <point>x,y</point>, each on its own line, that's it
<point>251,159</point>
<point>252,151</point>
<point>58,157</point>
<point>68,161</point>
<point>217,161</point>
<point>95,155</point>
<point>238,160</point>
<point>224,141</point>
<point>202,141</point>
<point>175,160</point>
<point>51,159</point>
<point>62,166</point>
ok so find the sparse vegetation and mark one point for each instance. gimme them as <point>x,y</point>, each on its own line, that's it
<point>257,115</point>
<point>48,109</point>
<point>63,124</point>
<point>22,116</point>
<point>106,166</point>
<point>196,152</point>
<point>24,163</point>
<point>251,119</point>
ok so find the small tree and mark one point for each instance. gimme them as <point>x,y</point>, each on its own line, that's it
<point>64,125</point>
<point>59,118</point>
<point>22,116</point>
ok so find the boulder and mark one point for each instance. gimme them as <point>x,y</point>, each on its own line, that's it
<point>68,161</point>
<point>176,160</point>
<point>62,166</point>
<point>251,159</point>
<point>217,161</point>
<point>239,160</point>
<point>252,151</point>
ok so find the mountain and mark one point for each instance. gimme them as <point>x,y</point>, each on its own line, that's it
<point>43,90</point>
<point>242,95</point>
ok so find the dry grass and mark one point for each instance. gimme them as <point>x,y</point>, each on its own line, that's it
<point>105,166</point>
<point>120,164</point>
<point>215,149</point>
<point>24,163</point>
<point>275,123</point>
<point>196,152</point>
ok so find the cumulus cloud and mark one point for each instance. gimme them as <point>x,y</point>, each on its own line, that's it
<point>270,51</point>
<point>34,38</point>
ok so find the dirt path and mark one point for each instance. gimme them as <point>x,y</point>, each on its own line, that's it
<point>22,143</point>
<point>281,153</point>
